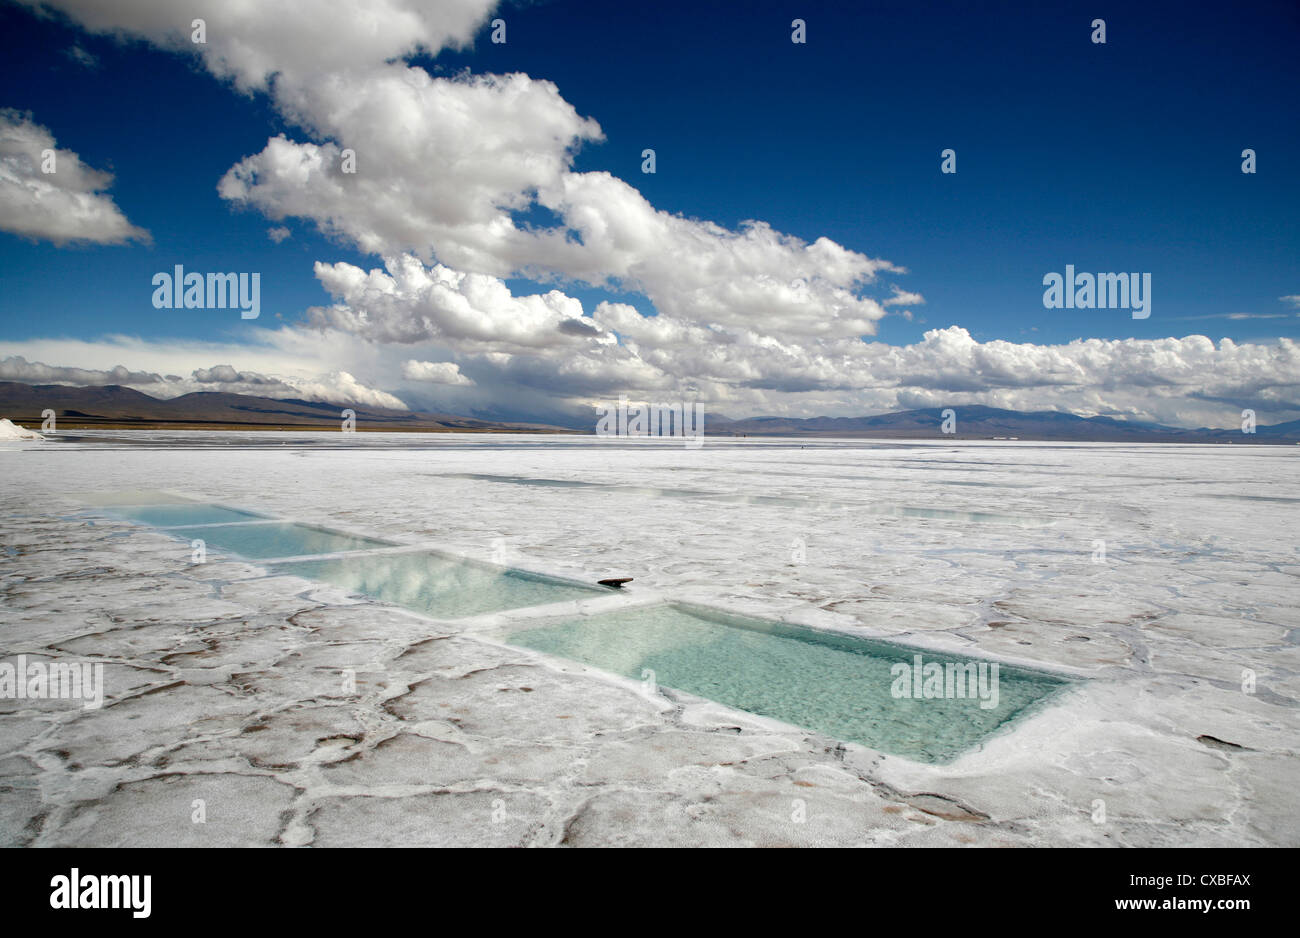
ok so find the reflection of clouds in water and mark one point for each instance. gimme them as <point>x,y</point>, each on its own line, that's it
<point>283,539</point>
<point>165,515</point>
<point>439,586</point>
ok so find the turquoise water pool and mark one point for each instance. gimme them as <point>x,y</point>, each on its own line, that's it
<point>276,539</point>
<point>440,586</point>
<point>163,516</point>
<point>840,686</point>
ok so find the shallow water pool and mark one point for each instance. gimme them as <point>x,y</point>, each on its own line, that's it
<point>164,516</point>
<point>440,586</point>
<point>267,541</point>
<point>837,685</point>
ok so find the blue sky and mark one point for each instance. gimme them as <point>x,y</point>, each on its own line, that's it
<point>1116,157</point>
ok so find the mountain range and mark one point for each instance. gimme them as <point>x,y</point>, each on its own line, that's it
<point>977,422</point>
<point>117,407</point>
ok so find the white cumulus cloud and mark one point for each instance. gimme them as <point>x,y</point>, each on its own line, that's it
<point>445,166</point>
<point>436,373</point>
<point>64,206</point>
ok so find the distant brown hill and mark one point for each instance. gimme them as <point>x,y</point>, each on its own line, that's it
<point>116,407</point>
<point>978,422</point>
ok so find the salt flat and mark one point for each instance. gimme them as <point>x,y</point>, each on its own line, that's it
<point>224,696</point>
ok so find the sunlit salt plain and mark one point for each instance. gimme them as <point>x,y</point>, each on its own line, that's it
<point>260,702</point>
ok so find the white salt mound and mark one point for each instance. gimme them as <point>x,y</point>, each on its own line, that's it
<point>11,431</point>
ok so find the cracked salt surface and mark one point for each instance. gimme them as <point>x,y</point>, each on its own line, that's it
<point>226,681</point>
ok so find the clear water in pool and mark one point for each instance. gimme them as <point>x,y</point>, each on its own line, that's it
<point>278,539</point>
<point>163,516</point>
<point>440,586</point>
<point>840,686</point>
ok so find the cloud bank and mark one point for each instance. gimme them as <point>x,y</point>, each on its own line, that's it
<point>336,387</point>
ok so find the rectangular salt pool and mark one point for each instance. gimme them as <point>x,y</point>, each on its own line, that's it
<point>164,516</point>
<point>440,586</point>
<point>837,685</point>
<point>275,539</point>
